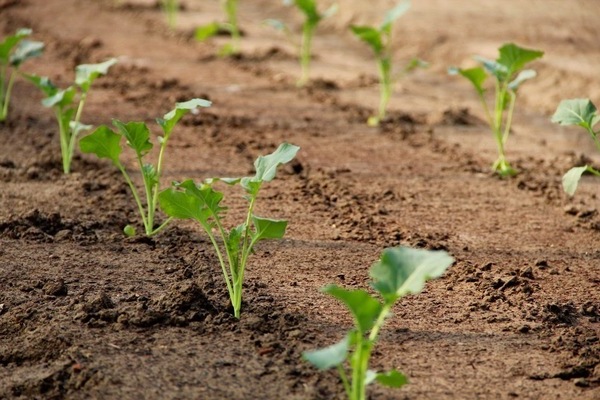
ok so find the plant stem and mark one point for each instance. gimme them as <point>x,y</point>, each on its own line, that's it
<point>230,289</point>
<point>64,140</point>
<point>149,221</point>
<point>231,11</point>
<point>385,83</point>
<point>305,53</point>
<point>11,81</point>
<point>135,193</point>
<point>344,379</point>
<point>71,135</point>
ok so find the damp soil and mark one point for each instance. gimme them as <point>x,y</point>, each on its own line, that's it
<point>87,313</point>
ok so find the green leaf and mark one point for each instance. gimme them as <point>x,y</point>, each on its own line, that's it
<point>363,306</point>
<point>137,135</point>
<point>309,8</point>
<point>500,71</point>
<point>207,31</point>
<point>268,228</point>
<point>86,74</point>
<point>392,379</point>
<point>402,270</point>
<point>523,76</point>
<point>580,112</point>
<point>78,127</point>
<point>42,83</point>
<point>129,231</point>
<point>25,50</point>
<point>514,57</point>
<point>571,179</point>
<point>209,199</point>
<point>179,204</point>
<point>369,35</point>
<point>392,15</point>
<point>61,98</point>
<point>104,143</point>
<point>170,119</point>
<point>233,241</point>
<point>150,175</point>
<point>10,42</point>
<point>266,166</point>
<point>476,76</point>
<point>330,356</point>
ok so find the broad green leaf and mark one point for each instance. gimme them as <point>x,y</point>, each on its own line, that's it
<point>402,270</point>
<point>268,228</point>
<point>476,76</point>
<point>61,98</point>
<point>369,35</point>
<point>523,76</point>
<point>170,119</point>
<point>10,42</point>
<point>207,31</point>
<point>209,198</point>
<point>363,306</point>
<point>104,143</point>
<point>500,71</point>
<point>330,356</point>
<point>571,179</point>
<point>266,166</point>
<point>25,50</point>
<point>137,135</point>
<point>42,83</point>
<point>580,112</point>
<point>392,379</point>
<point>392,15</point>
<point>514,57</point>
<point>182,205</point>
<point>251,185</point>
<point>86,74</point>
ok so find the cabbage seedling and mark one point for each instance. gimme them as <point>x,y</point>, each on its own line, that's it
<point>106,143</point>
<point>380,40</point>
<point>399,272</point>
<point>14,51</point>
<point>170,7</point>
<point>509,75</point>
<point>63,102</point>
<point>312,18</point>
<point>202,203</point>
<point>581,112</point>
<point>230,7</point>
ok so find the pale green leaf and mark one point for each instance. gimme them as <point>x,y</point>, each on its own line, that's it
<point>104,143</point>
<point>500,71</point>
<point>571,179</point>
<point>61,98</point>
<point>266,166</point>
<point>403,270</point>
<point>580,112</point>
<point>170,119</point>
<point>523,76</point>
<point>43,83</point>
<point>7,45</point>
<point>363,306</point>
<point>26,50</point>
<point>86,74</point>
<point>392,15</point>
<point>330,356</point>
<point>476,76</point>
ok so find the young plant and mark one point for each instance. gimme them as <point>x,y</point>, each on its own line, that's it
<point>170,7</point>
<point>230,7</point>
<point>399,272</point>
<point>312,18</point>
<point>581,112</point>
<point>67,110</point>
<point>509,75</point>
<point>380,40</point>
<point>106,143</point>
<point>14,51</point>
<point>202,203</point>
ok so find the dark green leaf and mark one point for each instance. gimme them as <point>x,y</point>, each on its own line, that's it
<point>182,205</point>
<point>309,8</point>
<point>104,143</point>
<point>514,57</point>
<point>580,112</point>
<point>209,198</point>
<point>42,83</point>
<point>328,357</point>
<point>392,15</point>
<point>392,379</point>
<point>137,135</point>
<point>369,35</point>
<point>86,74</point>
<point>170,119</point>
<point>25,50</point>
<point>207,31</point>
<point>363,306</point>
<point>402,270</point>
<point>476,76</point>
<point>10,42</point>
<point>268,228</point>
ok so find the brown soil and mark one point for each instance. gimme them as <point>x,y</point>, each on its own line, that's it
<point>86,313</point>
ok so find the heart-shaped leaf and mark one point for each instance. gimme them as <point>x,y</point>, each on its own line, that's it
<point>86,74</point>
<point>104,143</point>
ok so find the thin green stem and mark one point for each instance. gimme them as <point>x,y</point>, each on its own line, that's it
<point>305,53</point>
<point>149,221</point>
<point>246,248</point>
<point>230,289</point>
<point>154,201</point>
<point>71,134</point>
<point>161,227</point>
<point>3,72</point>
<point>385,83</point>
<point>11,81</point>
<point>508,122</point>
<point>134,192</point>
<point>64,139</point>
<point>231,11</point>
<point>344,379</point>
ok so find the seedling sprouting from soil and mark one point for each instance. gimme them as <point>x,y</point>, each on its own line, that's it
<point>399,272</point>
<point>230,7</point>
<point>14,51</point>
<point>203,204</point>
<point>581,112</point>
<point>509,75</point>
<point>312,18</point>
<point>380,40</point>
<point>106,143</point>
<point>63,102</point>
<point>170,7</point>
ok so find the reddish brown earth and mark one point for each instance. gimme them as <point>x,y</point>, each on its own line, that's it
<point>86,313</point>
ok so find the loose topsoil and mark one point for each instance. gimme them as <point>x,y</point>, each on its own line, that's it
<point>86,313</point>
